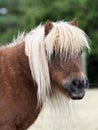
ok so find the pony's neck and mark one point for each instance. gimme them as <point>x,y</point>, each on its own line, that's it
<point>17,53</point>
<point>18,82</point>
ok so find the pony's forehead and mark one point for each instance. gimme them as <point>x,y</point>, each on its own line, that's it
<point>67,39</point>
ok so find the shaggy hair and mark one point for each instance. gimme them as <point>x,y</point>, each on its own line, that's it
<point>65,39</point>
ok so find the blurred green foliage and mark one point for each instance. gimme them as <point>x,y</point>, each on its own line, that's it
<point>26,14</point>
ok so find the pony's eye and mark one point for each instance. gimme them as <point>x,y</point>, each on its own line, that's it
<point>81,52</point>
<point>55,54</point>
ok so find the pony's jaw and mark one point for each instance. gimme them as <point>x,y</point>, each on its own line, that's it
<point>76,89</point>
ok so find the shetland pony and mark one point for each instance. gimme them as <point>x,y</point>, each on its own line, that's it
<point>39,67</point>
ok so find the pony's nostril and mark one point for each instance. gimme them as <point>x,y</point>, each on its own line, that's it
<point>75,82</point>
<point>85,83</point>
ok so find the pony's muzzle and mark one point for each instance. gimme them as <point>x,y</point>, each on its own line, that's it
<point>76,89</point>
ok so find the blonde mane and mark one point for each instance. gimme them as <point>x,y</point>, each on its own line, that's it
<point>65,39</point>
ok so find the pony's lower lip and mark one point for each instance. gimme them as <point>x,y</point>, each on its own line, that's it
<point>75,96</point>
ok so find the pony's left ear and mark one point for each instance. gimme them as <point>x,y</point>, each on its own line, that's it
<point>74,22</point>
<point>48,27</point>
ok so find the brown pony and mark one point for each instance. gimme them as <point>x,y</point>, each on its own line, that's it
<point>39,67</point>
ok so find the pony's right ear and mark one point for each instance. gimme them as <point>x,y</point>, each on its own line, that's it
<point>74,22</point>
<point>48,27</point>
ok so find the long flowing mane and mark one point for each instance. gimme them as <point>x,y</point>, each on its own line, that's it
<point>64,38</point>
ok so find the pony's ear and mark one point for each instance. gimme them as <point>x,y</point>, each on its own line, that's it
<point>48,27</point>
<point>74,22</point>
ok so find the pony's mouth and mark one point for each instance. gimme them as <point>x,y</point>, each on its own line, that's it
<point>75,93</point>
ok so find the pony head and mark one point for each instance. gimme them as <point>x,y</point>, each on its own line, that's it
<point>54,52</point>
